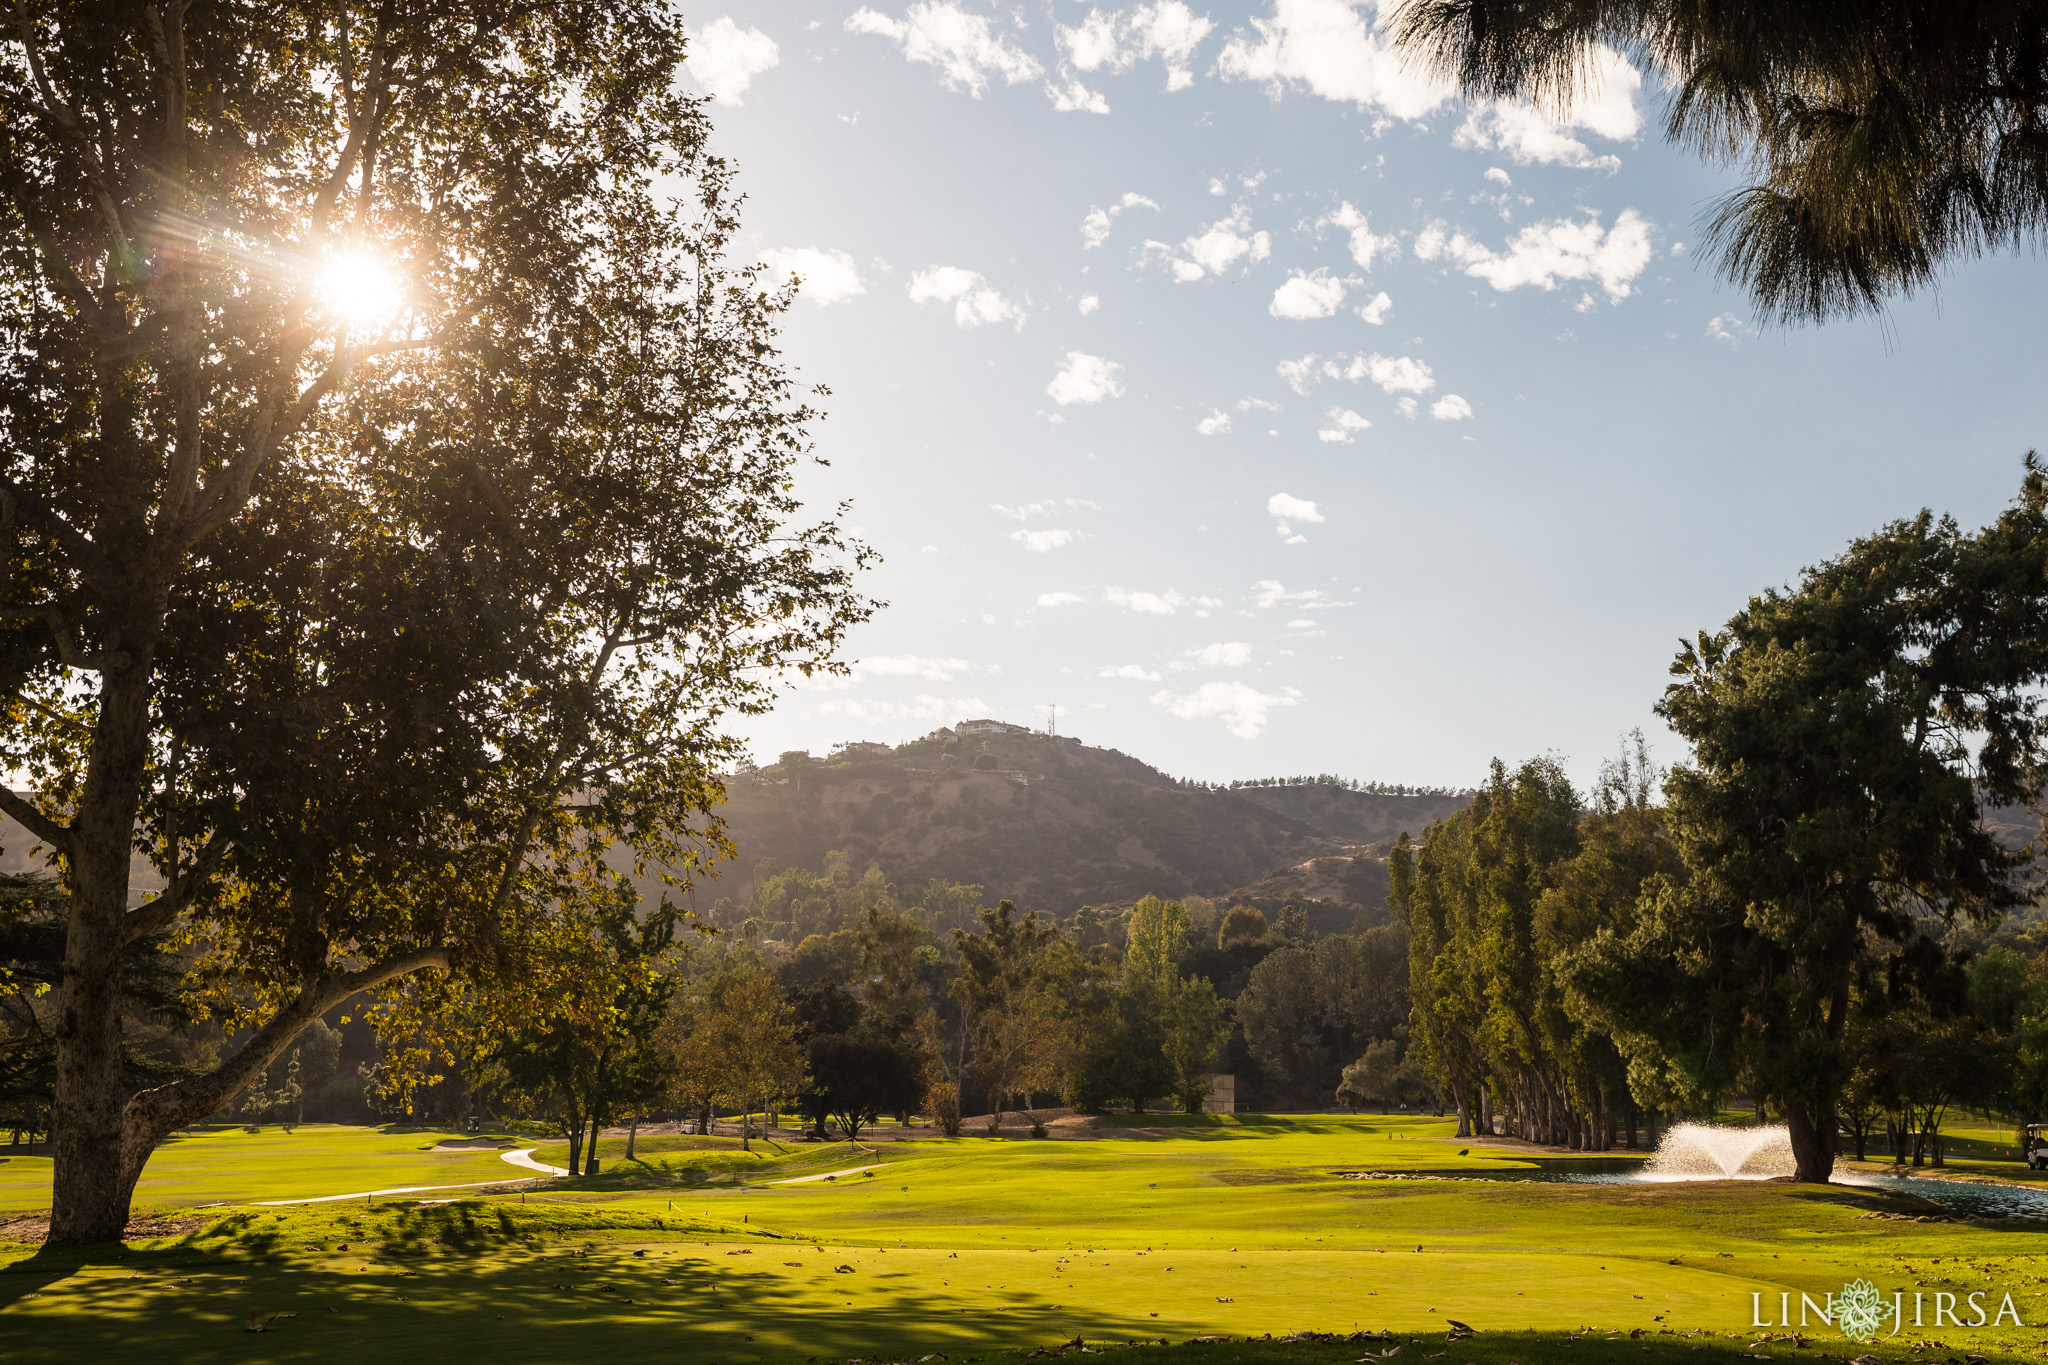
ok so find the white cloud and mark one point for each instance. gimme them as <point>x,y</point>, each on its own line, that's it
<point>1344,425</point>
<point>1292,509</point>
<point>1084,378</point>
<point>1393,373</point>
<point>1299,374</point>
<point>1166,603</point>
<point>1039,542</point>
<point>1529,134</point>
<point>1095,227</point>
<point>1270,592</point>
<point>974,302</point>
<point>1326,47</point>
<point>1307,296</point>
<point>1076,98</point>
<point>1365,247</point>
<point>966,51</point>
<point>1058,599</point>
<point>1088,304</point>
<point>927,549</point>
<point>1241,707</point>
<point>1302,624</point>
<point>1261,404</point>
<point>1498,176</point>
<point>1374,310</point>
<point>921,707</point>
<point>1544,254</point>
<point>1223,654</point>
<point>1168,30</point>
<point>1407,408</point>
<point>1135,672</point>
<point>1215,424</point>
<point>824,276</point>
<point>1050,507</point>
<point>1214,249</point>
<point>725,58</point>
<point>919,666</point>
<point>1450,408</point>
<point>1730,329</point>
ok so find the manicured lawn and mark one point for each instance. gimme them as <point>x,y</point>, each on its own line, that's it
<point>233,1165</point>
<point>1238,1227</point>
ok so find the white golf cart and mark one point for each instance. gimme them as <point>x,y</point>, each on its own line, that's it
<point>2036,1146</point>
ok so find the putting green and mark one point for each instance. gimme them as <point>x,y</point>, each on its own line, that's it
<point>971,1245</point>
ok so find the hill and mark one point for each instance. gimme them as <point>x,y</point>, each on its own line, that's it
<point>1055,824</point>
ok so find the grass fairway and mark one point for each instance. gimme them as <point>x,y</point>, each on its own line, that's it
<point>1236,1227</point>
<point>232,1165</point>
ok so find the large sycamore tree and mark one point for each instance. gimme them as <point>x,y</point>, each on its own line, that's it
<point>396,500</point>
<point>1847,734</point>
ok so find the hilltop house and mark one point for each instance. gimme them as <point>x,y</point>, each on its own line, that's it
<point>967,728</point>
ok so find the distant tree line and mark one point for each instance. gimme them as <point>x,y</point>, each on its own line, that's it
<point>1812,910</point>
<point>1349,784</point>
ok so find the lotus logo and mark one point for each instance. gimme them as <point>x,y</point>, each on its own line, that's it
<point>1860,1309</point>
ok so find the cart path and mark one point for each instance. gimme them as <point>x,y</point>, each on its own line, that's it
<point>524,1157</point>
<point>826,1175</point>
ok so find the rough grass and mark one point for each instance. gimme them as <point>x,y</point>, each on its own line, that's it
<point>968,1248</point>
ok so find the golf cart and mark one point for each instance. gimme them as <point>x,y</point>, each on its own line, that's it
<point>2036,1146</point>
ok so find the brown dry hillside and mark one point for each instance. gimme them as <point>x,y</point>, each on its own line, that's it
<point>1047,821</point>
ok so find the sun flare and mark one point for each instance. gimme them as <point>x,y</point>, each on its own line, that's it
<point>361,289</point>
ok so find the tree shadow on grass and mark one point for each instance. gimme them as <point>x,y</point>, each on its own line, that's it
<point>603,1303</point>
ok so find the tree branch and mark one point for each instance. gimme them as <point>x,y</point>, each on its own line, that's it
<point>73,129</point>
<point>155,1113</point>
<point>227,491</point>
<point>153,915</point>
<point>90,560</point>
<point>68,651</point>
<point>34,821</point>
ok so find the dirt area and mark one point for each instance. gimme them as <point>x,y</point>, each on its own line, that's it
<point>459,1144</point>
<point>35,1227</point>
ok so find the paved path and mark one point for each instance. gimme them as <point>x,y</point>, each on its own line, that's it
<point>825,1175</point>
<point>379,1194</point>
<point>524,1157</point>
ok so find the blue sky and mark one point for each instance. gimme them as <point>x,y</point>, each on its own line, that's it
<point>1264,408</point>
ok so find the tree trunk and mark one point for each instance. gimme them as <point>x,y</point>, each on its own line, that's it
<point>632,1136</point>
<point>91,1184</point>
<point>746,1117</point>
<point>590,1166</point>
<point>1464,1107</point>
<point>1813,1142</point>
<point>575,1128</point>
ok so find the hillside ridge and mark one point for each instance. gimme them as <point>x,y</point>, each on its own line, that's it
<point>1054,824</point>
